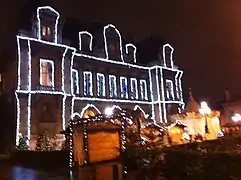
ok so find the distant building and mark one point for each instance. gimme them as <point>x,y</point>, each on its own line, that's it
<point>56,82</point>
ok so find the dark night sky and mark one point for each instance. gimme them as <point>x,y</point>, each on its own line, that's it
<point>206,34</point>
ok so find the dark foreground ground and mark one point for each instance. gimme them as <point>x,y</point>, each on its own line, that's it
<point>9,171</point>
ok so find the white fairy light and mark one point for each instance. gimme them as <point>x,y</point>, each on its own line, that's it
<point>80,39</point>
<point>134,53</point>
<point>152,98</point>
<point>87,107</point>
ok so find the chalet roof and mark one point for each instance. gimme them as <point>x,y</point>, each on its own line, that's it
<point>192,105</point>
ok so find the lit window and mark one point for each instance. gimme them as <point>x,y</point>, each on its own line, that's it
<point>134,92</point>
<point>46,73</point>
<point>124,88</point>
<point>169,90</point>
<point>101,85</point>
<point>46,31</point>
<point>143,88</point>
<point>75,81</point>
<point>0,77</point>
<point>113,88</point>
<point>88,91</point>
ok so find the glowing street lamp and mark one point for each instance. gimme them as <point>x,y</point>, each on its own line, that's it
<point>205,111</point>
<point>108,111</point>
<point>236,117</point>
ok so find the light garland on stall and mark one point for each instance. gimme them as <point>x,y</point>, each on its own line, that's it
<point>98,118</point>
<point>138,107</point>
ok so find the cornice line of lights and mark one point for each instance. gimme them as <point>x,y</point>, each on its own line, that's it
<point>97,58</point>
<point>134,53</point>
<point>80,39</point>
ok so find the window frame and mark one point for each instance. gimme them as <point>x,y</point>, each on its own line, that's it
<point>51,62</point>
<point>91,83</point>
<point>101,94</point>
<point>73,82</point>
<point>121,85</point>
<point>134,83</point>
<point>115,93</point>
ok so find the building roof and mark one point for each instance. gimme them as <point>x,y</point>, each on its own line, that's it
<point>192,105</point>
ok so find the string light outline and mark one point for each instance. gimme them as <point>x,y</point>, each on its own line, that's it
<point>134,86</point>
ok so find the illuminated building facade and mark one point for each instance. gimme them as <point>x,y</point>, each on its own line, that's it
<point>57,82</point>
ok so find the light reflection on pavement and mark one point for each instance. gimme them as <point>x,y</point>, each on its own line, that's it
<point>8,172</point>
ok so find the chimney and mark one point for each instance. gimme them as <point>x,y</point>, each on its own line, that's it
<point>85,41</point>
<point>131,53</point>
<point>166,53</point>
